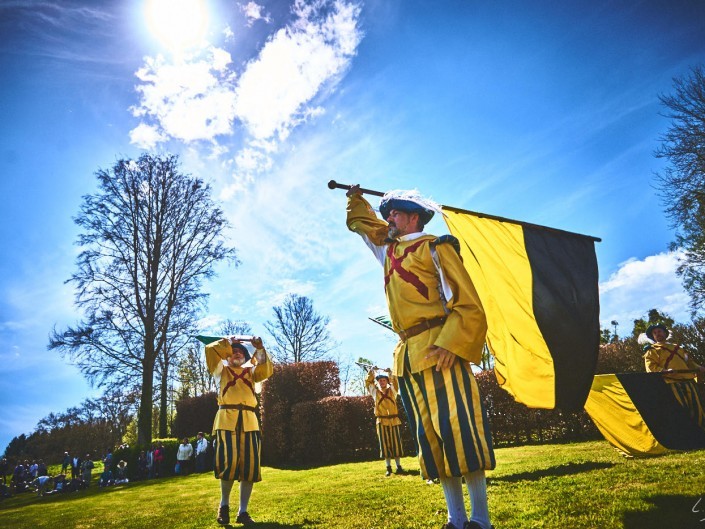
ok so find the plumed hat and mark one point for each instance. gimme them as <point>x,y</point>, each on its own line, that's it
<point>650,330</point>
<point>409,201</point>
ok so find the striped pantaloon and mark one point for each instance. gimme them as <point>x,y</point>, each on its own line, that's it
<point>451,427</point>
<point>237,455</point>
<point>389,441</point>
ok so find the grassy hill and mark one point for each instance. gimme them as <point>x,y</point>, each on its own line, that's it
<point>567,486</point>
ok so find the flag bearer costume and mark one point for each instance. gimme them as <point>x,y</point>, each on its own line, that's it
<point>662,357</point>
<point>384,392</point>
<point>236,427</point>
<point>436,312</point>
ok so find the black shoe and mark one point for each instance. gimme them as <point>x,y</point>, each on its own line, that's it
<point>450,526</point>
<point>389,472</point>
<point>244,519</point>
<point>399,470</point>
<point>223,515</point>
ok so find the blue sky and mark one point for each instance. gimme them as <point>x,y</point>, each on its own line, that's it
<point>546,112</point>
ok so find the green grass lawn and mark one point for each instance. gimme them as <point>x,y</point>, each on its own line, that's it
<point>566,486</point>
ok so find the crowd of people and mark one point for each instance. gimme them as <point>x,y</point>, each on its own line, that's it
<point>34,476</point>
<point>76,472</point>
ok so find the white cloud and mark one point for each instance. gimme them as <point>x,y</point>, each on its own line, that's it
<point>146,136</point>
<point>254,12</point>
<point>640,285</point>
<point>189,100</point>
<point>294,65</point>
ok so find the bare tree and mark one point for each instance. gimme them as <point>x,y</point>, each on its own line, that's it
<point>682,182</point>
<point>150,236</point>
<point>300,333</point>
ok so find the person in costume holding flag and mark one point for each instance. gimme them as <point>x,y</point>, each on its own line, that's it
<point>236,427</point>
<point>680,371</point>
<point>388,423</point>
<point>436,312</point>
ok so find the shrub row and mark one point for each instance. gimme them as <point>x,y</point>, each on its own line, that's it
<point>305,422</point>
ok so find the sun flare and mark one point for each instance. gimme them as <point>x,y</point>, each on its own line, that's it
<point>177,24</point>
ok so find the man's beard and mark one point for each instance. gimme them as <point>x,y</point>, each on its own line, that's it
<point>392,232</point>
<point>236,362</point>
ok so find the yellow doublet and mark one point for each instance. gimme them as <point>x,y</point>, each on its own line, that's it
<point>386,410</point>
<point>410,303</point>
<point>662,356</point>
<point>236,386</point>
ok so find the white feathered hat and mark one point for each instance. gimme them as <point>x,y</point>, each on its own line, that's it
<point>409,201</point>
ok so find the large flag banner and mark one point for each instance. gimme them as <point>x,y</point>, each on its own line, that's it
<point>639,415</point>
<point>539,289</point>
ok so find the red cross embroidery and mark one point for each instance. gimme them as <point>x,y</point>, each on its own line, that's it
<point>237,377</point>
<point>670,357</point>
<point>395,266</point>
<point>385,395</point>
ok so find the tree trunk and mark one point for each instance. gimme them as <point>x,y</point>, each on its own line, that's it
<point>144,415</point>
<point>163,403</point>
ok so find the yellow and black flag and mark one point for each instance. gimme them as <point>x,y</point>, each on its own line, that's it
<point>539,289</point>
<point>639,415</point>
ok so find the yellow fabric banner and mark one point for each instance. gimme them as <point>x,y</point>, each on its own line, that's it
<point>494,255</point>
<point>618,419</point>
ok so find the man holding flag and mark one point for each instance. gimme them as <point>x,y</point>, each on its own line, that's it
<point>236,427</point>
<point>436,312</point>
<point>388,423</point>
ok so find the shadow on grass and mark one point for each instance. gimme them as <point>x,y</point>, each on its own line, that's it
<point>560,470</point>
<point>669,511</point>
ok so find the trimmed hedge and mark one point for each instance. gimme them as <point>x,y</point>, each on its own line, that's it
<point>513,423</point>
<point>195,414</point>
<point>291,384</point>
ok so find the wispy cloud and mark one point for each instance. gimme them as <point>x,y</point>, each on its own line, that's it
<point>202,97</point>
<point>254,12</point>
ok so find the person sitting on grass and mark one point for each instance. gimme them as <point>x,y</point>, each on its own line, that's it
<point>121,473</point>
<point>106,478</point>
<point>236,427</point>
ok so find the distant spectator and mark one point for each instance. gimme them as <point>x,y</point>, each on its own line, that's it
<point>106,478</point>
<point>42,468</point>
<point>142,465</point>
<point>76,467</point>
<point>151,467</point>
<point>4,467</point>
<point>108,460</point>
<point>201,449</point>
<point>86,469</point>
<point>43,485</point>
<point>159,460</point>
<point>183,457</point>
<point>60,483</point>
<point>65,463</point>
<point>18,482</point>
<point>121,473</point>
<point>33,469</point>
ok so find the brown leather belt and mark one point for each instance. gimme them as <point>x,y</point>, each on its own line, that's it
<point>421,327</point>
<point>236,407</point>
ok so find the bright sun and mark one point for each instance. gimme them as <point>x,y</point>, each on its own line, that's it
<point>178,24</point>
